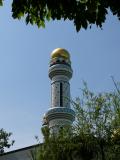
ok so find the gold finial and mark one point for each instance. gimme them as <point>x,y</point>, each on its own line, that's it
<point>60,52</point>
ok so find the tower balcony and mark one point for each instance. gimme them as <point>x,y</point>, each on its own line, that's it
<point>60,113</point>
<point>60,69</point>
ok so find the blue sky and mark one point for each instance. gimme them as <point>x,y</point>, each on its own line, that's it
<point>24,62</point>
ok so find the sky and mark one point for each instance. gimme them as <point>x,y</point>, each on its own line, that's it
<point>24,62</point>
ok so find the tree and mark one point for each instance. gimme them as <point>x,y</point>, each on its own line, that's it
<point>99,116</point>
<point>4,140</point>
<point>95,134</point>
<point>83,13</point>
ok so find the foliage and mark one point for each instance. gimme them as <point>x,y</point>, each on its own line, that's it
<point>95,134</point>
<point>99,116</point>
<point>4,140</point>
<point>83,13</point>
<point>1,2</point>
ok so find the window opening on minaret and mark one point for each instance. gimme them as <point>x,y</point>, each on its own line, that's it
<point>61,94</point>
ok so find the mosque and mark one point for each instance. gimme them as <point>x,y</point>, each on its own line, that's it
<point>60,112</point>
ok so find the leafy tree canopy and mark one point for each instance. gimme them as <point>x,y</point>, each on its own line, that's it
<point>83,13</point>
<point>4,140</point>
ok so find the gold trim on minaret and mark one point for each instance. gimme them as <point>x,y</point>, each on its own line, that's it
<point>60,52</point>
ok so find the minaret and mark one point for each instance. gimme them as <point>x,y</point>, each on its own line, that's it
<point>60,72</point>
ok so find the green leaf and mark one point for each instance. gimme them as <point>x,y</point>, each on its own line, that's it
<point>1,2</point>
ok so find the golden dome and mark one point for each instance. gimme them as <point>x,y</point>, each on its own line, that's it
<point>60,52</point>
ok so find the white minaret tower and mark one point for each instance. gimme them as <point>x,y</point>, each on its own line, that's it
<point>60,72</point>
